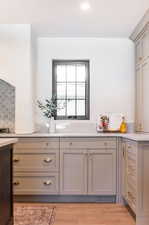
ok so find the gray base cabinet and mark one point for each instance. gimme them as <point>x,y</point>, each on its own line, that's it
<point>36,166</point>
<point>73,172</point>
<point>129,173</point>
<point>102,172</point>
<point>135,182</point>
<point>65,166</point>
<point>36,183</point>
<point>88,166</point>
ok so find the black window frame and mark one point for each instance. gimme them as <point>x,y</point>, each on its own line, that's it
<point>56,62</point>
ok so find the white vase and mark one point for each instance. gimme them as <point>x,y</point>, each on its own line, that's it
<point>52,125</point>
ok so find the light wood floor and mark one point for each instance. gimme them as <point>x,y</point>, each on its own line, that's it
<point>92,214</point>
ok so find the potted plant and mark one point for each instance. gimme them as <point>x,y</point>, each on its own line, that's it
<point>49,110</point>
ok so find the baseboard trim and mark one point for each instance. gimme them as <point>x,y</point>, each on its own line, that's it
<point>65,198</point>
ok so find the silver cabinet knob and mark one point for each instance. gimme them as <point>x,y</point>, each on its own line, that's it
<point>47,160</point>
<point>16,160</point>
<point>16,183</point>
<point>48,182</point>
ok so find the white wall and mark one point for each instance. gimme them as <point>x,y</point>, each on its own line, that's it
<point>111,71</point>
<point>16,68</point>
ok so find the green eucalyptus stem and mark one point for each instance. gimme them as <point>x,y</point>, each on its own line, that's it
<point>50,107</point>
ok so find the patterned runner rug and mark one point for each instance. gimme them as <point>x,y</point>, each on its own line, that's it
<point>33,215</point>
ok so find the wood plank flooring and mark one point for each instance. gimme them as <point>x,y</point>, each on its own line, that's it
<point>91,214</point>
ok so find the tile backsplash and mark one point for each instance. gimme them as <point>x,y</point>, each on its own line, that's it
<point>7,106</point>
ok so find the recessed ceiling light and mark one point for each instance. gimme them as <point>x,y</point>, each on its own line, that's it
<point>85,6</point>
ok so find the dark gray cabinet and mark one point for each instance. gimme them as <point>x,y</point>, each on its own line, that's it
<point>6,203</point>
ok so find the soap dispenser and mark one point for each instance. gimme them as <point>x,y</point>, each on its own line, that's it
<point>123,127</point>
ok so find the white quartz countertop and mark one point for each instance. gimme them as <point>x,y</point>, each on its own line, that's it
<point>7,141</point>
<point>131,136</point>
<point>136,137</point>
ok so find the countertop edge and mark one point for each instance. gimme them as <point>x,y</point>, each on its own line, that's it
<point>7,141</point>
<point>131,136</point>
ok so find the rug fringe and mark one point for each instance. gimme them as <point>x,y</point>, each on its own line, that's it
<point>52,219</point>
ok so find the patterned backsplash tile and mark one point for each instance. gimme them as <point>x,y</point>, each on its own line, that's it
<point>7,106</point>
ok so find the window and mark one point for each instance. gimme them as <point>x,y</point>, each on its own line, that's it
<point>71,88</point>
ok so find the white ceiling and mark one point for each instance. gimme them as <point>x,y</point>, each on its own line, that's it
<point>63,18</point>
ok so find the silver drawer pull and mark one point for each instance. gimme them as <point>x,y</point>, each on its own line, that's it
<point>16,183</point>
<point>70,143</point>
<point>16,160</point>
<point>49,182</point>
<point>47,160</point>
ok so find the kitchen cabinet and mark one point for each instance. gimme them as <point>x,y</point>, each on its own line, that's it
<point>43,162</point>
<point>129,173</point>
<point>145,94</point>
<point>88,166</point>
<point>145,45</point>
<point>36,183</point>
<point>142,47</point>
<point>139,100</point>
<point>134,178</point>
<point>73,170</point>
<point>6,202</point>
<point>142,103</point>
<point>102,178</point>
<point>65,166</point>
<point>141,40</point>
<point>138,51</point>
<point>36,166</point>
<point>124,170</point>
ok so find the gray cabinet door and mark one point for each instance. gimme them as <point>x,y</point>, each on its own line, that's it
<point>124,171</point>
<point>102,172</point>
<point>142,103</point>
<point>142,48</point>
<point>138,51</point>
<point>145,108</point>
<point>142,82</point>
<point>145,45</point>
<point>73,172</point>
<point>139,99</point>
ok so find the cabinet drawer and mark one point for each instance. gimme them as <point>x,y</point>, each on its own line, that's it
<point>131,147</point>
<point>36,145</point>
<point>35,184</point>
<point>132,170</point>
<point>131,159</point>
<point>36,162</point>
<point>131,187</point>
<point>131,181</point>
<point>88,143</point>
<point>131,155</point>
